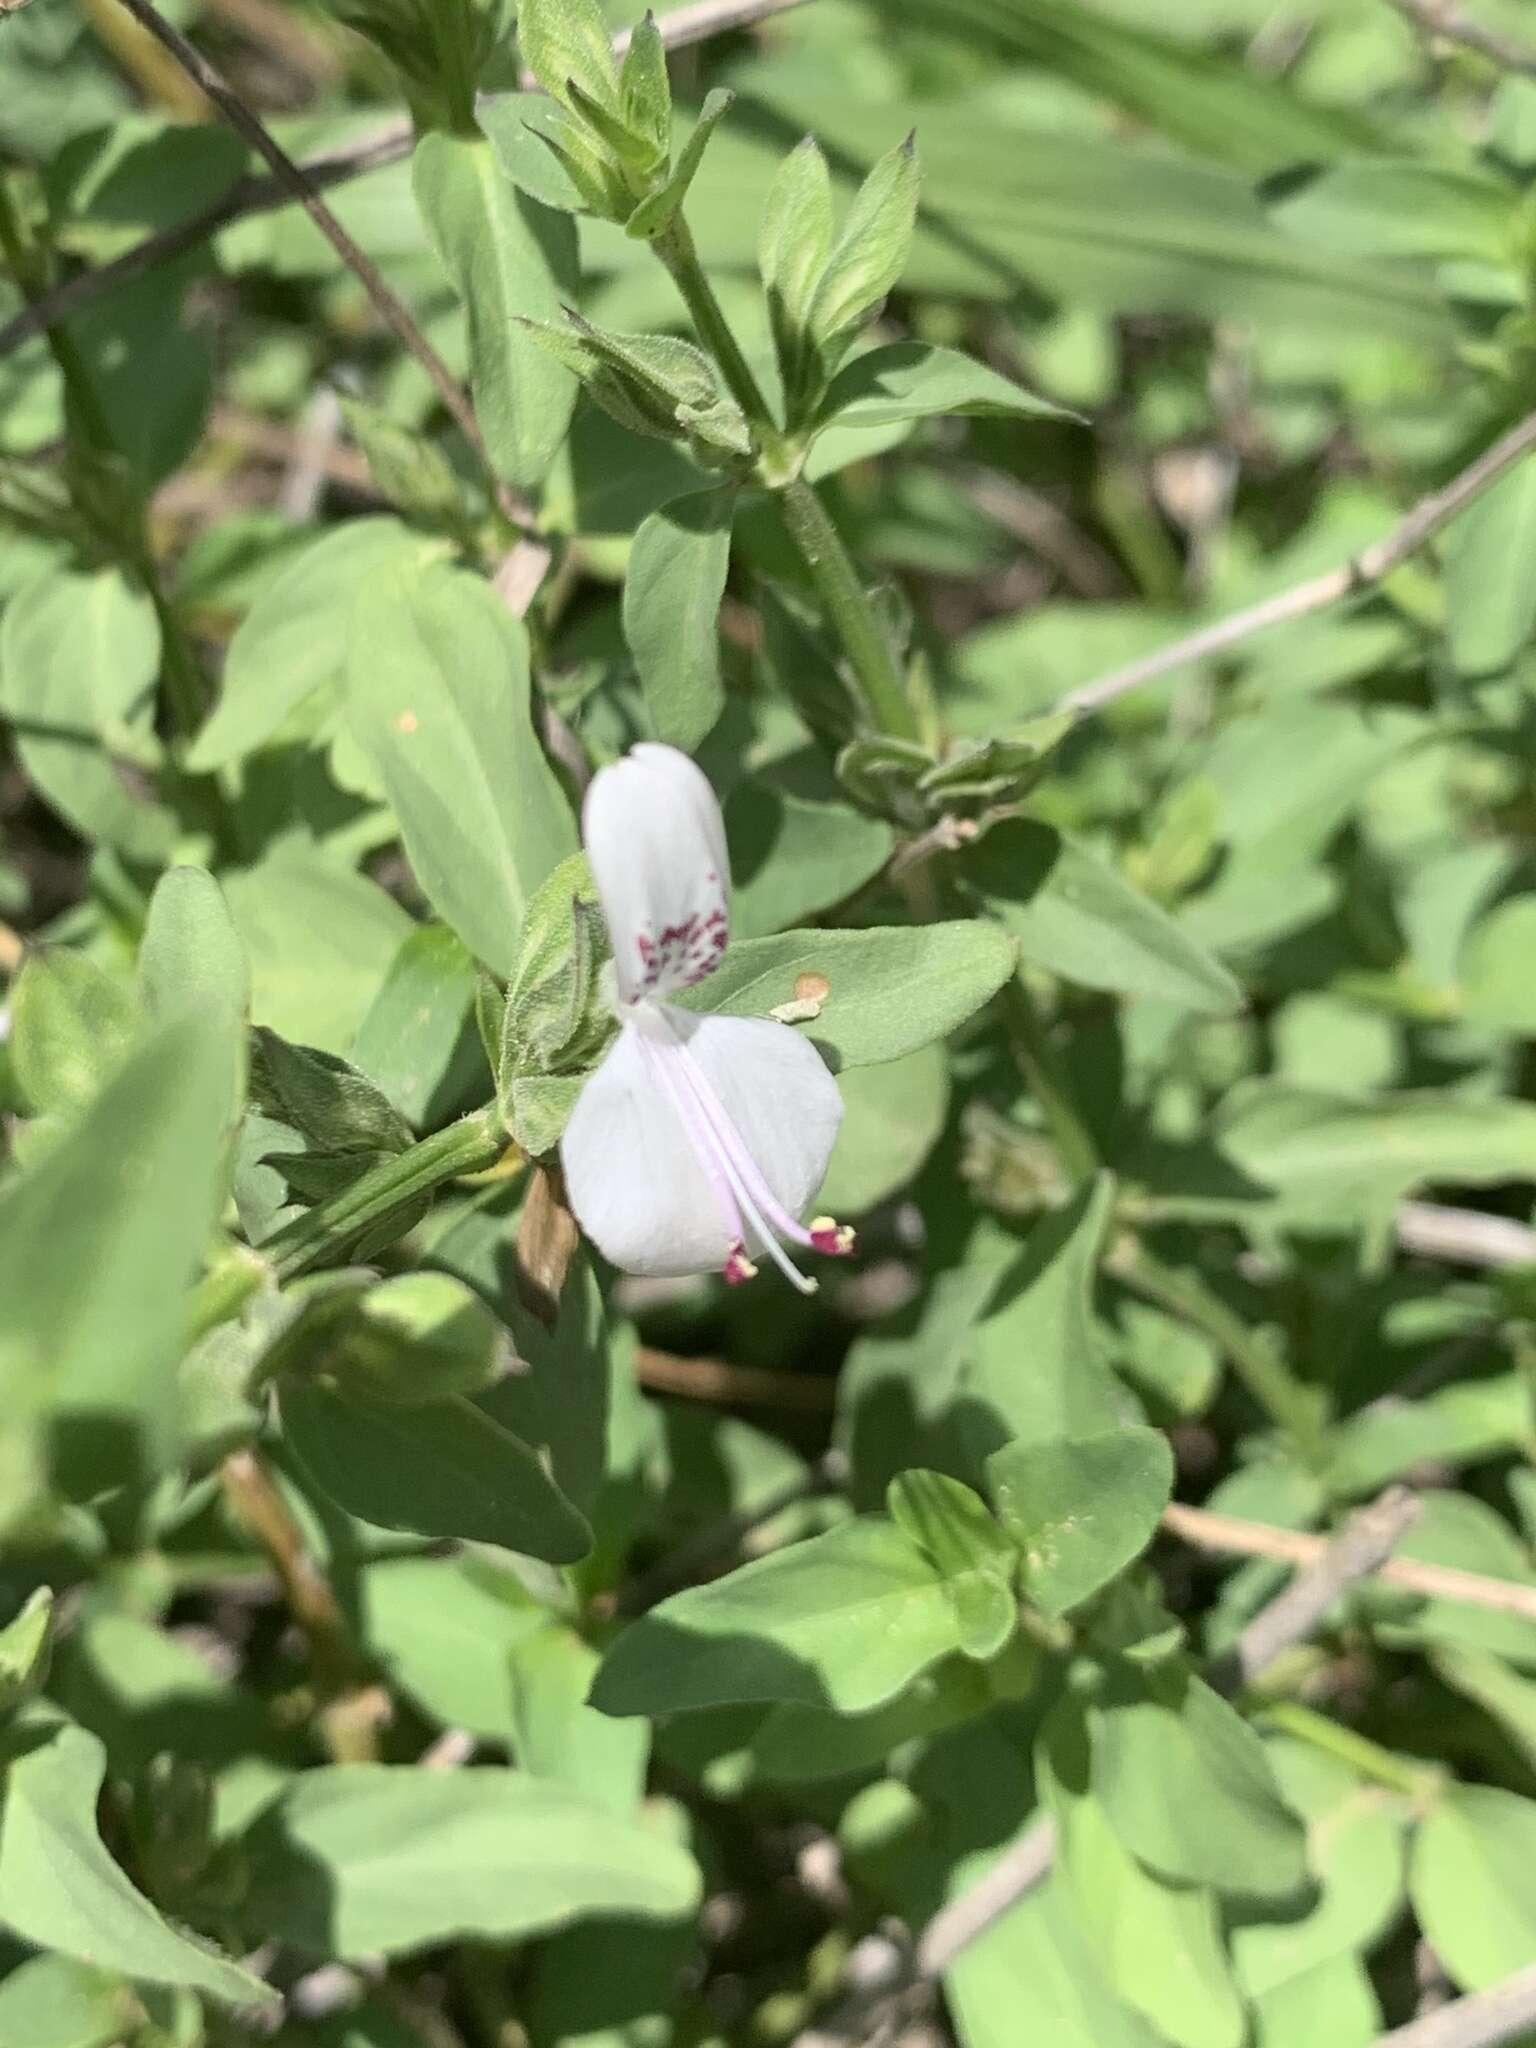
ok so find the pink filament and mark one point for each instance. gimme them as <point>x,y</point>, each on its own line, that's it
<point>733,1173</point>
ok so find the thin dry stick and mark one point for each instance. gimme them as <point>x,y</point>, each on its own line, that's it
<point>1371,566</point>
<point>1362,1547</point>
<point>387,145</point>
<point>734,1386</point>
<point>1481,2021</point>
<point>1466,1237</point>
<point>390,309</point>
<point>1229,1536</point>
<point>1012,1877</point>
<point>354,1703</point>
<point>1452,24</point>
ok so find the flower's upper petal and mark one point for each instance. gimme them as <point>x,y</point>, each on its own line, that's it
<point>638,1186</point>
<point>654,836</point>
<point>775,1087</point>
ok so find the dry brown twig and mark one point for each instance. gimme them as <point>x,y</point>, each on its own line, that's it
<point>353,1704</point>
<point>1229,1536</point>
<point>1464,1237</point>
<point>1452,24</point>
<point>1362,572</point>
<point>1484,2020</point>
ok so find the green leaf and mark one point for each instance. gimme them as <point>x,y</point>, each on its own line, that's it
<point>417,1041</point>
<point>558,1737</point>
<point>1011,198</point>
<point>1167,72</point>
<point>794,854</point>
<point>319,939</point>
<point>414,1339</point>
<point>1383,206</point>
<point>60,1889</point>
<point>871,252</point>
<point>951,1526</point>
<point>653,214</point>
<point>1037,1976</point>
<point>1335,2002</point>
<point>57,2002</point>
<point>1079,918</point>
<point>555,1021</point>
<point>1080,1510</point>
<point>1503,1693</point>
<point>1036,1366</point>
<point>908,380</point>
<point>841,1620</point>
<point>890,990</point>
<point>192,964</point>
<point>98,1242</point>
<point>1495,967</point>
<point>893,1116</point>
<point>567,40</point>
<point>545,153</point>
<point>71,1025</point>
<point>412,473</point>
<point>1325,1161</point>
<point>1459,1530</point>
<point>438,693</point>
<point>1470,1881</point>
<point>645,91</point>
<point>1355,1845</point>
<point>1188,1787</point>
<point>1161,1944</point>
<point>798,1745</point>
<point>672,591</point>
<point>25,1646</point>
<point>365,1859</point>
<point>342,1118</point>
<point>444,1470</point>
<point>292,643</point>
<point>508,257</point>
<point>1490,601</point>
<point>653,384</point>
<point>792,253</point>
<point>79,657</point>
<point>445,1628</point>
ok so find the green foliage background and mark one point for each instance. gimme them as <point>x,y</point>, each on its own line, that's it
<point>415,1635</point>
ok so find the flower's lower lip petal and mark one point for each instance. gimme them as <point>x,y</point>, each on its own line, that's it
<point>775,1087</point>
<point>634,1181</point>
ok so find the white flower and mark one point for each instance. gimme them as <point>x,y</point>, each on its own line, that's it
<point>699,1140</point>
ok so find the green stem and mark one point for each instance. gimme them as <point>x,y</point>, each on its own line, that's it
<point>849,612</point>
<point>185,687</point>
<point>469,1146</point>
<point>225,1289</point>
<point>675,247</point>
<point>1295,1407</point>
<point>1418,1782</point>
<point>847,606</point>
<point>1046,1078</point>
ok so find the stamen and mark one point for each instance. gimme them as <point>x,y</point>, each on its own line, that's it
<point>700,1138</point>
<point>738,1267</point>
<point>669,1064</point>
<point>737,1152</point>
<point>829,1236</point>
